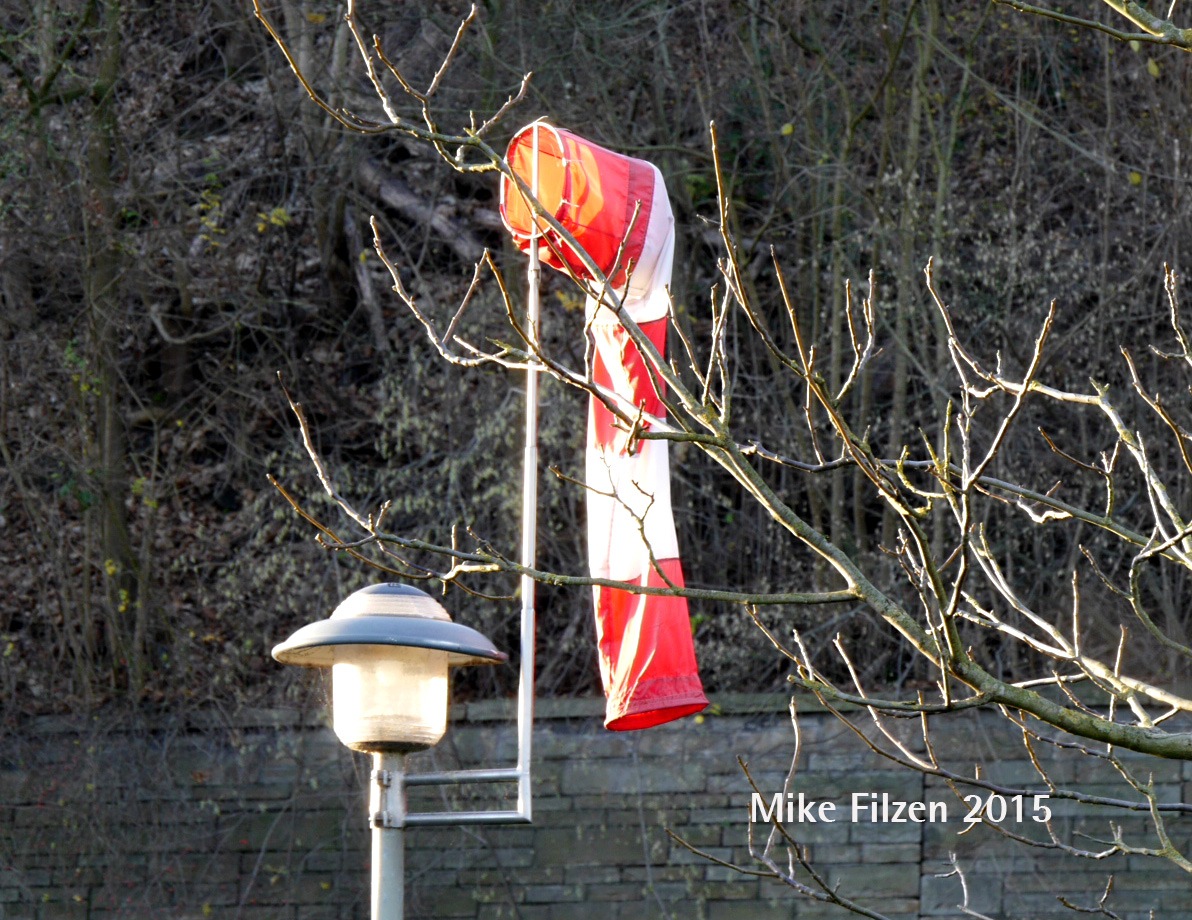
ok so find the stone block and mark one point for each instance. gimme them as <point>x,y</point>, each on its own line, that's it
<point>864,832</point>
<point>551,804</point>
<point>255,832</point>
<point>736,782</point>
<point>681,856</point>
<point>717,873</point>
<point>618,891</point>
<point>12,877</point>
<point>598,801</point>
<point>64,910</point>
<point>213,896</point>
<point>251,911</point>
<point>803,832</point>
<point>622,775</point>
<point>1038,906</point>
<point>553,894</point>
<point>306,912</point>
<point>9,897</point>
<point>887,881</point>
<point>509,912</point>
<point>741,888</point>
<point>1143,767</point>
<point>1158,879</point>
<point>735,816</point>
<point>653,875</point>
<point>675,742</point>
<point>584,746</point>
<point>765,910</point>
<point>666,892</point>
<point>904,853</point>
<point>441,902</point>
<point>591,875</point>
<point>482,747</point>
<point>589,910</point>
<point>594,845</point>
<point>702,803</point>
<point>14,787</point>
<point>700,835</point>
<point>33,816</point>
<point>899,785</point>
<point>942,896</point>
<point>508,857</point>
<point>496,877</point>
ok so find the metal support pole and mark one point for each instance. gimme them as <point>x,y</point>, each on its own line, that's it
<point>387,817</point>
<point>525,690</point>
<point>525,685</point>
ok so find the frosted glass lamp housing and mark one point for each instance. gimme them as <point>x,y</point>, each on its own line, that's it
<point>389,647</point>
<point>387,698</point>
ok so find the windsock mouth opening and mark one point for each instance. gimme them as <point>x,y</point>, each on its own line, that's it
<point>600,199</point>
<point>552,179</point>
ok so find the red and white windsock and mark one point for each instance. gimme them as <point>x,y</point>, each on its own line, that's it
<point>647,656</point>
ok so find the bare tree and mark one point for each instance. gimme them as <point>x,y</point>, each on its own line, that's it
<point>145,144</point>
<point>1156,29</point>
<point>1083,678</point>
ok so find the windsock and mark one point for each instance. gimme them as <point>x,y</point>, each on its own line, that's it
<point>617,209</point>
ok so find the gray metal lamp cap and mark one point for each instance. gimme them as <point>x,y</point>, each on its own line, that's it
<point>386,614</point>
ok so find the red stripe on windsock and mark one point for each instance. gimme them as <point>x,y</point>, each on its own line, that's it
<point>626,373</point>
<point>647,655</point>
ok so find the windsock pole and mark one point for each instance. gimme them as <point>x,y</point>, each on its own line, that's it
<point>525,692</point>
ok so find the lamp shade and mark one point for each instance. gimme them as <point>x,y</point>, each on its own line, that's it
<point>389,647</point>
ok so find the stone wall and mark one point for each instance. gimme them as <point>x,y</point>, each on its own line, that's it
<point>262,816</point>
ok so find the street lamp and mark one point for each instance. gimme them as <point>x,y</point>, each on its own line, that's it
<point>389,647</point>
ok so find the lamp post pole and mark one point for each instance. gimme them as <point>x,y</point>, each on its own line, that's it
<point>387,813</point>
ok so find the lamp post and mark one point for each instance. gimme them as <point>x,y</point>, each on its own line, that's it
<point>389,647</point>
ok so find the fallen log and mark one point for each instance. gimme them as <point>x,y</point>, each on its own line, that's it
<point>378,183</point>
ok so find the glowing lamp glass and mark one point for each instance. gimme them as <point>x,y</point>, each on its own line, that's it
<point>389,698</point>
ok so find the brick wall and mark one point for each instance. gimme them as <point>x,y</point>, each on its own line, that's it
<point>263,816</point>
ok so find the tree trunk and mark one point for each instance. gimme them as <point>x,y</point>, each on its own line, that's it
<point>125,617</point>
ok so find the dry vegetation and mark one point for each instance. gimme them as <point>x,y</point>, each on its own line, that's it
<point>179,226</point>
